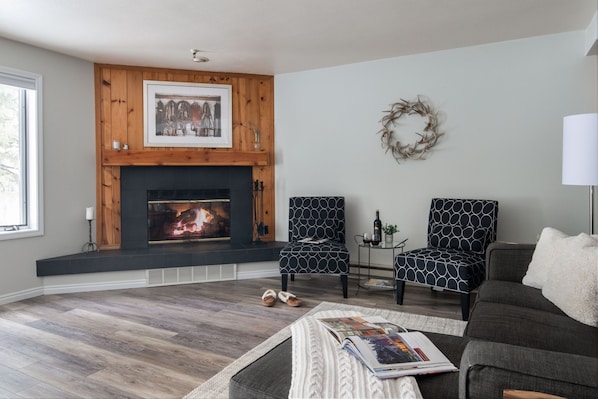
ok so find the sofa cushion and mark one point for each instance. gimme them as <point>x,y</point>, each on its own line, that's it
<point>572,281</point>
<point>532,328</point>
<point>542,258</point>
<point>517,294</point>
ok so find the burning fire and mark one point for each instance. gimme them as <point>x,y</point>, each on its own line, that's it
<point>191,221</point>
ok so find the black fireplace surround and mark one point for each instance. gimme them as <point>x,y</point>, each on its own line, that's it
<point>178,181</point>
<point>137,254</point>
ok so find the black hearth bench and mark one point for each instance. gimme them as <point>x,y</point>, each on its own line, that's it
<point>160,257</point>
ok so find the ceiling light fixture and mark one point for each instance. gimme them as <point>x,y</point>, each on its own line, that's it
<point>197,57</point>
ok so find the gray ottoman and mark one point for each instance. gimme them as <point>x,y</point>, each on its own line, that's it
<point>270,376</point>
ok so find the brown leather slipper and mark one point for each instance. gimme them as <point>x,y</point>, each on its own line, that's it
<point>289,299</point>
<point>269,298</point>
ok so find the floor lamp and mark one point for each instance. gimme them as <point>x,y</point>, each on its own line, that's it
<point>580,154</point>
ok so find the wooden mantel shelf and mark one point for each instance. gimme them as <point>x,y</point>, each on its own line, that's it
<point>185,158</point>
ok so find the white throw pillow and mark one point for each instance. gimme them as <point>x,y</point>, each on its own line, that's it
<point>543,257</point>
<point>572,278</point>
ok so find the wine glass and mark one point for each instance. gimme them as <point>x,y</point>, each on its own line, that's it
<point>366,239</point>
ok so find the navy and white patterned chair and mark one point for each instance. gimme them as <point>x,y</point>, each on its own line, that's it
<point>319,218</point>
<point>459,230</point>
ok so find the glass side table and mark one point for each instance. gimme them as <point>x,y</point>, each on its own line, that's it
<point>367,282</point>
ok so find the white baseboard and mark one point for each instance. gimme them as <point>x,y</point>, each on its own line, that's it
<point>89,287</point>
<point>118,285</point>
<point>21,295</point>
<point>257,274</point>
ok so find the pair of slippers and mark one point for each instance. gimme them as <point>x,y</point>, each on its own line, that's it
<point>269,298</point>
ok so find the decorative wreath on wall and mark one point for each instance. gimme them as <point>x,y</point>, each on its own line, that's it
<point>428,138</point>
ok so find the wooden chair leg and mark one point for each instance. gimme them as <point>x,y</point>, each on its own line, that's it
<point>400,291</point>
<point>465,306</point>
<point>345,283</point>
<point>285,279</point>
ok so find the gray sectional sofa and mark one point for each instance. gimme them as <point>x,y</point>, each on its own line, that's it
<point>520,340</point>
<point>515,339</point>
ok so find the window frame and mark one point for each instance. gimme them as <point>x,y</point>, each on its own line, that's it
<point>33,151</point>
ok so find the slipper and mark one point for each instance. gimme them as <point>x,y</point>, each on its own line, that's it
<point>268,298</point>
<point>289,298</point>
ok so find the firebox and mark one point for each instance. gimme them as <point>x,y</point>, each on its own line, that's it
<point>180,204</point>
<point>194,219</point>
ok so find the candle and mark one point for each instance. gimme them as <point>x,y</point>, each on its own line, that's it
<point>116,145</point>
<point>89,213</point>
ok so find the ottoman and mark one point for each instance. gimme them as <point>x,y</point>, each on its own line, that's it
<point>269,377</point>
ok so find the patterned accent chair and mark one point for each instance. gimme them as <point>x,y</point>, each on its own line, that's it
<point>318,218</point>
<point>459,230</point>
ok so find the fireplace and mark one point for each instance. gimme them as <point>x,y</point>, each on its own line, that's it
<point>183,204</point>
<point>197,218</point>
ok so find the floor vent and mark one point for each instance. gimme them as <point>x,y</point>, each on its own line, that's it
<point>190,275</point>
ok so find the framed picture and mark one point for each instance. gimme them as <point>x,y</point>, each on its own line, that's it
<point>181,114</point>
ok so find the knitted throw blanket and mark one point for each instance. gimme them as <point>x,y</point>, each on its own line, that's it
<point>323,369</point>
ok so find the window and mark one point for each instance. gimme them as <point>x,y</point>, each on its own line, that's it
<point>20,154</point>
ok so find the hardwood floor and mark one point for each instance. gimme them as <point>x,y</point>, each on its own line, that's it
<point>161,342</point>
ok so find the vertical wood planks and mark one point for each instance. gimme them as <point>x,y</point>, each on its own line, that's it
<point>120,116</point>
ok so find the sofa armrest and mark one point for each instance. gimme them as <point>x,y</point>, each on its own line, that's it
<point>508,262</point>
<point>488,368</point>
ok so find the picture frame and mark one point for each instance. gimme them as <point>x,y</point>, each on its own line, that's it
<point>182,114</point>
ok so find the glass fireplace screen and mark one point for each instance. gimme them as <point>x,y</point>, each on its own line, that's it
<point>172,221</point>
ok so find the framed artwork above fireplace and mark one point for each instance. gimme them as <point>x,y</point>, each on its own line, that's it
<point>181,114</point>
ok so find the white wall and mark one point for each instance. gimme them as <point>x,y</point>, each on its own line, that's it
<point>502,106</point>
<point>69,164</point>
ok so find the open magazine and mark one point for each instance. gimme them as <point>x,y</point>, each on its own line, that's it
<point>388,350</point>
<point>312,240</point>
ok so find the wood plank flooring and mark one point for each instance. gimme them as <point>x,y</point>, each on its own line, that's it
<point>161,342</point>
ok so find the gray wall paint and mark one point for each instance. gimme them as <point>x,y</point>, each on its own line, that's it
<point>502,106</point>
<point>68,161</point>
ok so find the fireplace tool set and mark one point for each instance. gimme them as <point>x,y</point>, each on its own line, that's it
<point>258,211</point>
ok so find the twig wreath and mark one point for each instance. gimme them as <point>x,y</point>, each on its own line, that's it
<point>428,138</point>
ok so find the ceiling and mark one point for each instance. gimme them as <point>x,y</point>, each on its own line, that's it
<point>277,36</point>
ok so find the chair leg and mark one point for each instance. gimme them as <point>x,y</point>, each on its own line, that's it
<point>400,291</point>
<point>465,306</point>
<point>345,283</point>
<point>292,277</point>
<point>285,279</point>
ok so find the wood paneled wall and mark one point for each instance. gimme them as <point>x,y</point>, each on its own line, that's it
<point>119,116</point>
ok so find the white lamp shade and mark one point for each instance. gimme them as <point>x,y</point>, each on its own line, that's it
<point>580,150</point>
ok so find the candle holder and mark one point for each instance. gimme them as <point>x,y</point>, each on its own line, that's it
<point>90,246</point>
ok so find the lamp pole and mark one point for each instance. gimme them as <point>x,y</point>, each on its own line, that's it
<point>591,210</point>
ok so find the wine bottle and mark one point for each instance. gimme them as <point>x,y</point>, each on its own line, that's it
<point>377,236</point>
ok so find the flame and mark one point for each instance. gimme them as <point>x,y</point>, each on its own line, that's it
<point>196,226</point>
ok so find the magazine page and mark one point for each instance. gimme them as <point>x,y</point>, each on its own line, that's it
<point>312,240</point>
<point>343,327</point>
<point>411,352</point>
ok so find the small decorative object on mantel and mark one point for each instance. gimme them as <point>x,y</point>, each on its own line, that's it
<point>428,138</point>
<point>256,137</point>
<point>389,230</point>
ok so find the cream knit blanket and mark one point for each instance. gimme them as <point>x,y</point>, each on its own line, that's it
<point>323,369</point>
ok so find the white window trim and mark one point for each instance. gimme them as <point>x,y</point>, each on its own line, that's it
<point>34,163</point>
